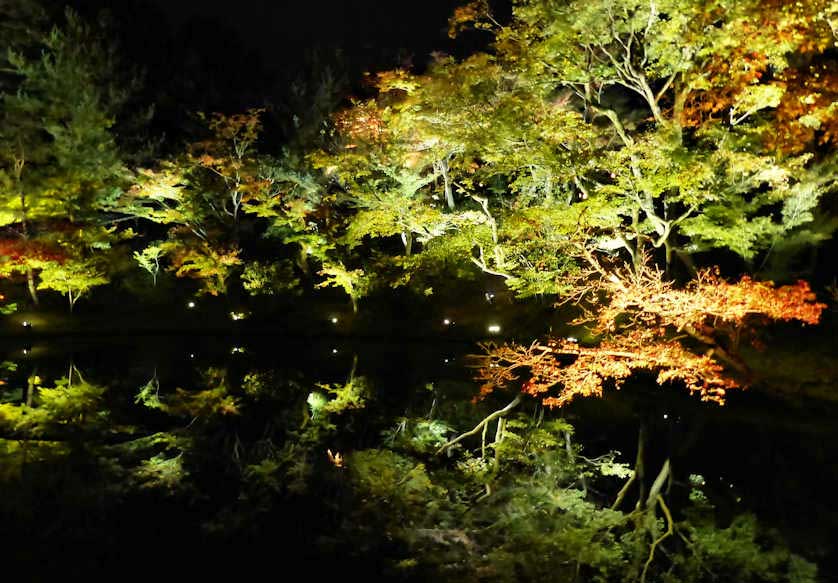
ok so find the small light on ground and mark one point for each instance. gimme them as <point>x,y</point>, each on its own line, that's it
<point>237,350</point>
<point>334,320</point>
<point>26,324</point>
<point>25,351</point>
<point>236,316</point>
<point>446,361</point>
<point>191,355</point>
<point>493,328</point>
<point>447,322</point>
<point>572,339</point>
<point>190,305</point>
<point>666,415</point>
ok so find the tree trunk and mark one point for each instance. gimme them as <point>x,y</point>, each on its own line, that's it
<point>302,261</point>
<point>442,165</point>
<point>30,284</point>
<point>24,221</point>
<point>407,241</point>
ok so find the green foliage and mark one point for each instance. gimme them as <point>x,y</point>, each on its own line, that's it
<point>738,552</point>
<point>355,282</point>
<point>417,436</point>
<point>538,520</point>
<point>72,278</point>
<point>260,278</point>
<point>149,394</point>
<point>149,259</point>
<point>384,475</point>
<point>208,265</point>
<point>345,397</point>
<point>70,406</point>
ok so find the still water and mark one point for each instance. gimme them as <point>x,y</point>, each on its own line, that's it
<point>215,455</point>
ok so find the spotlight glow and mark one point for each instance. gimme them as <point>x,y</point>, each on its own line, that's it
<point>493,328</point>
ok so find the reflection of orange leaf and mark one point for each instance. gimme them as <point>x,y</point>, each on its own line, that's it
<point>335,458</point>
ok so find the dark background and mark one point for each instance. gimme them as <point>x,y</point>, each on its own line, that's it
<point>230,55</point>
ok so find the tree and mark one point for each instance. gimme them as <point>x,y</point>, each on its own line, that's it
<point>688,335</point>
<point>149,259</point>
<point>624,128</point>
<point>72,278</point>
<point>354,282</point>
<point>59,161</point>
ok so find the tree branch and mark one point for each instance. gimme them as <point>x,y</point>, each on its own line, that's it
<point>481,425</point>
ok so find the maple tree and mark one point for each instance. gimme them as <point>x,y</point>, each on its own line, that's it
<point>689,335</point>
<point>628,127</point>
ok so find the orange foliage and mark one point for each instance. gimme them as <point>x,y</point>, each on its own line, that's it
<point>777,23</point>
<point>20,251</point>
<point>707,300</point>
<point>560,370</point>
<point>362,122</point>
<point>810,90</point>
<point>654,319</point>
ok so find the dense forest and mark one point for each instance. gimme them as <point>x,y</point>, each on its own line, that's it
<point>659,174</point>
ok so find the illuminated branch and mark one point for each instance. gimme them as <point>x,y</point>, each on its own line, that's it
<point>642,326</point>
<point>482,425</point>
<point>661,538</point>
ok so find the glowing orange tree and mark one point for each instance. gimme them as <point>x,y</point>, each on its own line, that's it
<point>645,323</point>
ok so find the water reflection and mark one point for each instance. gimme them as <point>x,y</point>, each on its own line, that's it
<point>377,461</point>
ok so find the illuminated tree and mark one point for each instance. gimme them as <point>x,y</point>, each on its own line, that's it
<point>354,282</point>
<point>71,278</point>
<point>628,127</point>
<point>687,335</point>
<point>228,162</point>
<point>59,162</point>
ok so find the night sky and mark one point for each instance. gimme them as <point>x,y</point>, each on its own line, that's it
<point>229,55</point>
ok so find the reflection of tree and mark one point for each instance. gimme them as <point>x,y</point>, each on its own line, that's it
<point>526,502</point>
<point>528,505</point>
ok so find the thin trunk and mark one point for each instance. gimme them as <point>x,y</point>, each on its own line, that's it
<point>30,284</point>
<point>407,241</point>
<point>302,261</point>
<point>24,221</point>
<point>446,182</point>
<point>482,425</point>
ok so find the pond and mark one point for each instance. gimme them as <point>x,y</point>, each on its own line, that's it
<point>217,454</point>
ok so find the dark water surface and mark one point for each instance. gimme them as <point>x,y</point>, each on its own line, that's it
<point>83,497</point>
